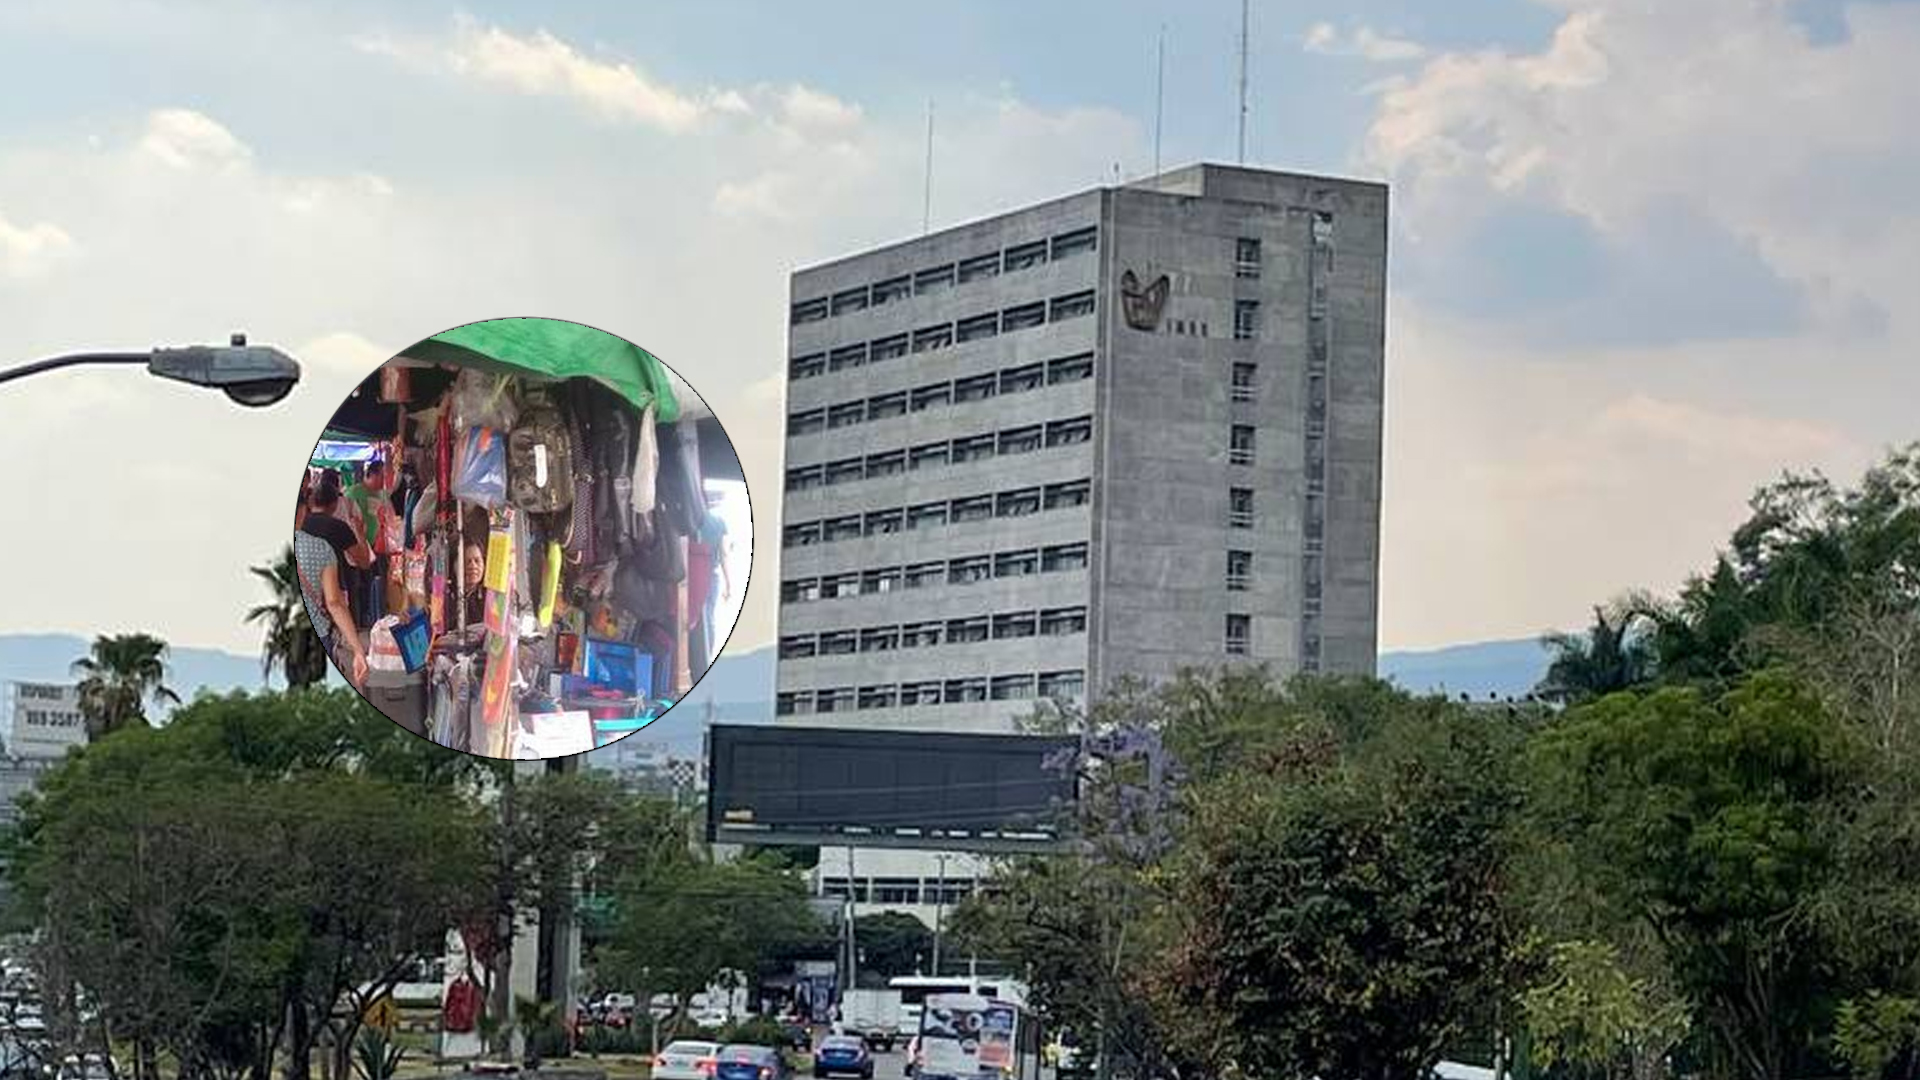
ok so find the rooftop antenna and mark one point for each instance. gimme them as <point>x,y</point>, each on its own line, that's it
<point>1159,95</point>
<point>926,208</point>
<point>1244,17</point>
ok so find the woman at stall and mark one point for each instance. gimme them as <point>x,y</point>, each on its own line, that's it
<point>322,547</point>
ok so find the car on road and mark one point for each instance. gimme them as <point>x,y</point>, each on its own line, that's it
<point>686,1059</point>
<point>749,1063</point>
<point>799,1038</point>
<point>843,1055</point>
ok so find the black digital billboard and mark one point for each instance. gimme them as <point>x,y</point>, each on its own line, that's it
<point>774,785</point>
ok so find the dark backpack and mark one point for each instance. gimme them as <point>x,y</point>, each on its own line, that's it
<point>540,458</point>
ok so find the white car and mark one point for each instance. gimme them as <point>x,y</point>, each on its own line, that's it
<point>686,1059</point>
<point>712,1018</point>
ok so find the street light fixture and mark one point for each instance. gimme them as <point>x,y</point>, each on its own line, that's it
<point>250,375</point>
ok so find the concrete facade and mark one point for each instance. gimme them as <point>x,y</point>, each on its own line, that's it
<point>1058,482</point>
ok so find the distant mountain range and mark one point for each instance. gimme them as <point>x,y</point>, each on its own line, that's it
<point>739,687</point>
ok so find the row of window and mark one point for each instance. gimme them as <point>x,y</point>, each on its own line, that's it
<point>943,335</point>
<point>1058,685</point>
<point>939,395</point>
<point>940,278</point>
<point>965,570</point>
<point>1007,441</point>
<point>881,890</point>
<point>971,630</point>
<point>1006,504</point>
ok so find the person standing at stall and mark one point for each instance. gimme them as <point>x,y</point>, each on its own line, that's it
<point>364,497</point>
<point>323,548</point>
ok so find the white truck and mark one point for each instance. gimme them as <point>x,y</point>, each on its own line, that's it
<point>874,1015</point>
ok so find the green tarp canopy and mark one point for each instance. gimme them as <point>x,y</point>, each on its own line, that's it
<point>554,349</point>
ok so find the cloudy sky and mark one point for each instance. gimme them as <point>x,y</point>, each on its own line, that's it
<point>1645,255</point>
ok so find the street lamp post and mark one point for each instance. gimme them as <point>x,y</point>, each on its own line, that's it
<point>251,375</point>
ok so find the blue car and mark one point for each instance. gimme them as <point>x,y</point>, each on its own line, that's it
<point>749,1063</point>
<point>843,1054</point>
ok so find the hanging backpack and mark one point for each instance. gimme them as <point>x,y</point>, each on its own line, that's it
<point>540,458</point>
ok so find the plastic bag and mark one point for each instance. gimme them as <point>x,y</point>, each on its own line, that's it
<point>383,653</point>
<point>483,400</point>
<point>480,473</point>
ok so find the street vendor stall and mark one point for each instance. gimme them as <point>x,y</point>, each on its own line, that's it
<point>540,496</point>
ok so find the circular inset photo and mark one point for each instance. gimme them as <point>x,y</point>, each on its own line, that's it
<point>523,538</point>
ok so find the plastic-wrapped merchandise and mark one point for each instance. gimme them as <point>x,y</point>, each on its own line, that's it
<point>483,400</point>
<point>480,474</point>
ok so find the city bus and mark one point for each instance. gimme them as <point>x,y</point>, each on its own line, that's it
<point>915,988</point>
<point>974,1037</point>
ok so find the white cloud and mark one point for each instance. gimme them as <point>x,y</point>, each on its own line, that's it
<point>184,139</point>
<point>1364,42</point>
<point>31,250</point>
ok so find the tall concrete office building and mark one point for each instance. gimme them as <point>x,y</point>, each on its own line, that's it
<point>1122,433</point>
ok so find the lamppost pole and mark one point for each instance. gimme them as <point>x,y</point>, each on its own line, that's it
<point>72,360</point>
<point>251,375</point>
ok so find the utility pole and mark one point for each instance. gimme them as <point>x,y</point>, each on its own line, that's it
<point>1159,95</point>
<point>939,911</point>
<point>853,943</point>
<point>926,206</point>
<point>1245,17</point>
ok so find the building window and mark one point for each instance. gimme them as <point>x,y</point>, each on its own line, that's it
<point>847,415</point>
<point>920,693</point>
<point>1022,256</point>
<point>800,590</point>
<point>978,388</point>
<point>972,448</point>
<point>1018,503</point>
<point>1070,369</point>
<point>980,267</point>
<point>841,528</point>
<point>1243,374</point>
<point>1316,515</point>
<point>883,522</point>
<point>880,639</point>
<point>921,636</point>
<point>1016,563</point>
<point>963,691</point>
<point>877,697</point>
<point>1240,445</point>
<point>926,574</point>
<point>1011,687</point>
<point>933,337</point>
<point>803,477</point>
<point>928,456</point>
<point>1239,634</point>
<point>809,311</point>
<point>805,534</point>
<point>840,586</point>
<point>1246,320</point>
<point>1239,570</point>
<point>934,280</point>
<point>839,643</point>
<point>793,703</point>
<point>1071,307</point>
<point>850,300</point>
<point>1240,508</point>
<point>1077,242</point>
<point>976,508</point>
<point>1015,624</point>
<point>1060,621</point>
<point>1246,258</point>
<point>979,327</point>
<point>1068,494</point>
<point>888,348</point>
<point>896,891</point>
<point>939,395</point>
<point>892,289</point>
<point>798,646</point>
<point>806,367</point>
<point>1013,380</point>
<point>847,356</point>
<point>891,463</point>
<point>967,571</point>
<point>1024,317</point>
<point>967,631</point>
<point>1061,685</point>
<point>1070,432</point>
<point>880,581</point>
<point>927,515</point>
<point>845,471</point>
<point>887,406</point>
<point>1020,440</point>
<point>1063,557</point>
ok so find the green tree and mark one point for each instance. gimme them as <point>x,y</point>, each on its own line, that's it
<point>892,943</point>
<point>1878,1036</point>
<point>291,642</point>
<point>1615,653</point>
<point>119,678</point>
<point>1589,1012</point>
<point>1706,819</point>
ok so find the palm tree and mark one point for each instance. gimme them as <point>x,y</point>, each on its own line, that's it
<point>1614,654</point>
<point>291,641</point>
<point>123,673</point>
